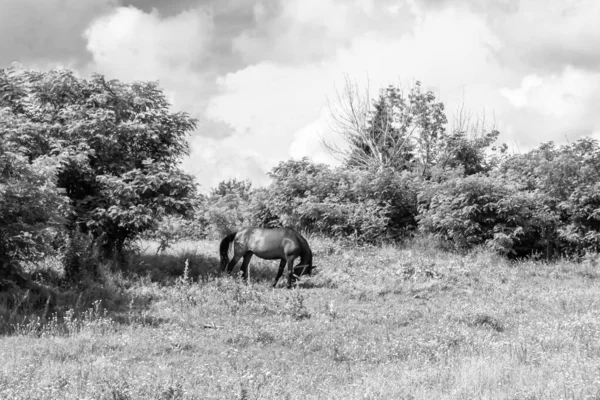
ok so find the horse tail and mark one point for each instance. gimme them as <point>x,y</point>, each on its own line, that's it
<point>224,249</point>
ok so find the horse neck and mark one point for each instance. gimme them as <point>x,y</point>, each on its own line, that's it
<point>306,254</point>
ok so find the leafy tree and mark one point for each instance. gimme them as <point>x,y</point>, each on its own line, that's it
<point>470,145</point>
<point>469,153</point>
<point>118,147</point>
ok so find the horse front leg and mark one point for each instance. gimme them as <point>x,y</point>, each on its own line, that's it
<point>280,272</point>
<point>290,263</point>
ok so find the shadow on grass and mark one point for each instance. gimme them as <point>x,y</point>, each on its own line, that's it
<point>124,293</point>
<point>164,268</point>
<point>110,289</point>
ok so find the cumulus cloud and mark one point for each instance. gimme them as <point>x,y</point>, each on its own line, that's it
<point>130,44</point>
<point>258,74</point>
<point>557,106</point>
<point>548,36</point>
<point>266,103</point>
<point>307,31</point>
<point>214,160</point>
<point>283,108</point>
<point>462,51</point>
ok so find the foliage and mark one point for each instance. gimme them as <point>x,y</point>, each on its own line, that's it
<point>469,153</point>
<point>174,228</point>
<point>241,189</point>
<point>116,144</point>
<point>32,208</point>
<point>480,209</point>
<point>226,210</point>
<point>545,201</point>
<point>365,205</point>
<point>568,177</point>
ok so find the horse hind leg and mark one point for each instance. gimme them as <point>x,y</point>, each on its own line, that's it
<point>244,267</point>
<point>232,263</point>
<point>279,272</point>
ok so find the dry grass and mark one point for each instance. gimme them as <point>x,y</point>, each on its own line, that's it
<point>375,323</point>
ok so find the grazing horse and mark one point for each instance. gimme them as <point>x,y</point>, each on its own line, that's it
<point>283,244</point>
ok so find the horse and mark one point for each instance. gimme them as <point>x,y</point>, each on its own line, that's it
<point>283,244</point>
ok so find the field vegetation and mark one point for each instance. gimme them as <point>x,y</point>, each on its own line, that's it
<point>447,267</point>
<point>405,322</point>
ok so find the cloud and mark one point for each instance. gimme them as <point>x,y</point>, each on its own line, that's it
<point>166,8</point>
<point>266,103</point>
<point>296,31</point>
<point>548,36</point>
<point>258,74</point>
<point>47,33</point>
<point>280,110</point>
<point>557,106</point>
<point>132,45</point>
<point>472,61</point>
<point>214,160</point>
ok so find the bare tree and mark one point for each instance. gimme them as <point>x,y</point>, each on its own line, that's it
<point>398,129</point>
<point>349,119</point>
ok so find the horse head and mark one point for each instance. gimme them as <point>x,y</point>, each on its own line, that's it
<point>303,269</point>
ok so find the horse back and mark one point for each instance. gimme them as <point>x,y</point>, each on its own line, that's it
<point>277,243</point>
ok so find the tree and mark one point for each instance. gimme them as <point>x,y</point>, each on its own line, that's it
<point>233,186</point>
<point>398,130</point>
<point>469,144</point>
<point>117,148</point>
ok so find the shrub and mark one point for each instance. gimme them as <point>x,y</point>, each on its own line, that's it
<point>486,210</point>
<point>368,206</point>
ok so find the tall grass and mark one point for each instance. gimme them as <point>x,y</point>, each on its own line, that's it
<point>375,322</point>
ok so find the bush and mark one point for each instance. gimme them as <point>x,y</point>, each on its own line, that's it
<point>368,206</point>
<point>566,179</point>
<point>487,210</point>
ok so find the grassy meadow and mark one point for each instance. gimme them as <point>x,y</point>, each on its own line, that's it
<point>409,322</point>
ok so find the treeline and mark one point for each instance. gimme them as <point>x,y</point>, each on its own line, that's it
<point>404,174</point>
<point>87,166</point>
<point>544,203</point>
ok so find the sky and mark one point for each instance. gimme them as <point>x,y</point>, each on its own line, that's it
<point>258,75</point>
